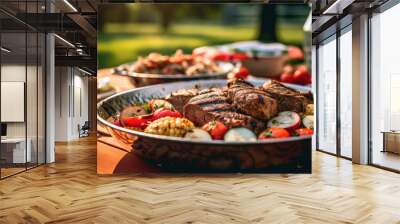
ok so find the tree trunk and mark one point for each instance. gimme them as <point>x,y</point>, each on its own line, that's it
<point>267,31</point>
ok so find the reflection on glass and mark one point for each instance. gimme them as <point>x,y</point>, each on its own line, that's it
<point>41,99</point>
<point>327,96</point>
<point>15,151</point>
<point>31,97</point>
<point>346,94</point>
<point>385,82</point>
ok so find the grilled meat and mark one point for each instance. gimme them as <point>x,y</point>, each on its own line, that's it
<point>240,104</point>
<point>233,119</point>
<point>210,106</point>
<point>251,101</point>
<point>199,108</point>
<point>288,99</point>
<point>181,97</point>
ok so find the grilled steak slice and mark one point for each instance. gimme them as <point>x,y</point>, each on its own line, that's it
<point>199,109</point>
<point>251,101</point>
<point>288,99</point>
<point>179,98</point>
<point>210,106</point>
<point>234,119</point>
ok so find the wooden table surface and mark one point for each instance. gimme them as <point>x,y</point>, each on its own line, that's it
<point>70,191</point>
<point>114,157</point>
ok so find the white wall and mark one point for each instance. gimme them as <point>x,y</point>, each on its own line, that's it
<point>33,127</point>
<point>71,103</point>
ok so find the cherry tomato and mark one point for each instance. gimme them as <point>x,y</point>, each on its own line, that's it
<point>117,123</point>
<point>164,112</point>
<point>240,57</point>
<point>242,73</point>
<point>304,132</point>
<point>274,133</point>
<point>295,53</point>
<point>302,68</point>
<point>302,77</point>
<point>135,122</point>
<point>287,77</point>
<point>221,56</point>
<point>216,129</point>
<point>288,69</point>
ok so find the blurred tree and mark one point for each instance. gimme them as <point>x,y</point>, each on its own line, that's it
<point>267,31</point>
<point>167,14</point>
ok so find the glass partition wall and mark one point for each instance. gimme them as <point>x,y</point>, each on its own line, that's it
<point>385,89</point>
<point>22,99</point>
<point>327,130</point>
<point>334,94</point>
<point>345,92</point>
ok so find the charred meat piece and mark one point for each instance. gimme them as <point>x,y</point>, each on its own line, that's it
<point>234,119</point>
<point>251,101</point>
<point>179,98</point>
<point>288,99</point>
<point>210,106</point>
<point>199,108</point>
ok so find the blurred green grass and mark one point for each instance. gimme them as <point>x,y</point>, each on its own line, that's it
<point>122,43</point>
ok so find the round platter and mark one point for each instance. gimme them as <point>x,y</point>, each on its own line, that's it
<point>145,79</point>
<point>284,155</point>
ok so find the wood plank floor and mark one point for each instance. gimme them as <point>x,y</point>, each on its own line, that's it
<point>69,191</point>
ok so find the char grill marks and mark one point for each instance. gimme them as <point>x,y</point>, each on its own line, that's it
<point>288,99</point>
<point>252,101</point>
<point>240,104</point>
<point>214,105</point>
<point>202,108</point>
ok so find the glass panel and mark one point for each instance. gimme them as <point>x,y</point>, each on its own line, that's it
<point>13,86</point>
<point>346,94</point>
<point>385,83</point>
<point>41,99</point>
<point>32,89</point>
<point>327,96</point>
<point>31,99</point>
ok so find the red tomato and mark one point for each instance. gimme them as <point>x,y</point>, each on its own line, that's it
<point>216,129</point>
<point>136,122</point>
<point>295,53</point>
<point>302,68</point>
<point>240,57</point>
<point>288,69</point>
<point>221,56</point>
<point>287,77</point>
<point>274,133</point>
<point>304,132</point>
<point>242,73</point>
<point>302,77</point>
<point>164,112</point>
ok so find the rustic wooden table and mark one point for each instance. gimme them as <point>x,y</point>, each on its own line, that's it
<point>114,157</point>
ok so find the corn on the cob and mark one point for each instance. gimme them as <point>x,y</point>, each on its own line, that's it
<point>170,126</point>
<point>310,109</point>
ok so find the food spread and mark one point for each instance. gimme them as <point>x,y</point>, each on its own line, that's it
<point>237,112</point>
<point>177,64</point>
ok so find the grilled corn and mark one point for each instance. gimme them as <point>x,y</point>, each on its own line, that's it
<point>310,109</point>
<point>170,126</point>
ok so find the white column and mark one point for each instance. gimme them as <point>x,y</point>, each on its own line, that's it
<point>314,90</point>
<point>50,92</point>
<point>360,90</point>
<point>50,99</point>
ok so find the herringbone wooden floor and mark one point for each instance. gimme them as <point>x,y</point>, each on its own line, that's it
<point>69,191</point>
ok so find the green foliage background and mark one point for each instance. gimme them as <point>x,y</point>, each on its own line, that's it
<point>127,31</point>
